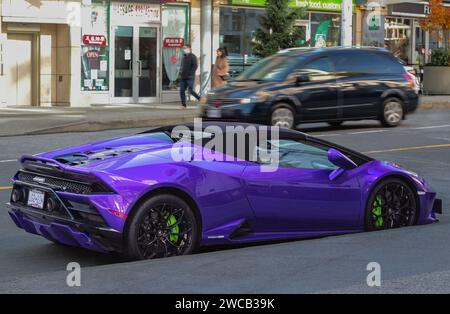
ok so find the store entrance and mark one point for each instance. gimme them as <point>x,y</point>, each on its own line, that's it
<point>136,64</point>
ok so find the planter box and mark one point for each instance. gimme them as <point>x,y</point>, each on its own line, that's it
<point>436,80</point>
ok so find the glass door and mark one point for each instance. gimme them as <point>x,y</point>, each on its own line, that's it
<point>136,64</point>
<point>147,63</point>
<point>123,63</point>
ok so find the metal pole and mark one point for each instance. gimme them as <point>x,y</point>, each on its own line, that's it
<point>206,44</point>
<point>346,23</point>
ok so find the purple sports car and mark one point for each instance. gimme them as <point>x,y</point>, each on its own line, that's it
<point>134,194</point>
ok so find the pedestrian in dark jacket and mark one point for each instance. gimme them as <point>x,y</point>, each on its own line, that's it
<point>188,67</point>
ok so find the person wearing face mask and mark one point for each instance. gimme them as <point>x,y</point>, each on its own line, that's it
<point>189,65</point>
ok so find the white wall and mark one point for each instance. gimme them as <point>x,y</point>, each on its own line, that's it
<point>41,11</point>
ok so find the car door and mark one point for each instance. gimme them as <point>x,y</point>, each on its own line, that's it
<point>319,95</point>
<point>360,82</point>
<point>299,196</point>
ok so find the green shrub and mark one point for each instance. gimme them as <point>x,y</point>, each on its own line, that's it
<point>440,57</point>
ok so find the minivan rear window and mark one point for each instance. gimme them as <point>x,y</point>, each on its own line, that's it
<point>366,62</point>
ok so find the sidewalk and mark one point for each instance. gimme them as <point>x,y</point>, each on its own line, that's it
<point>435,102</point>
<point>44,120</point>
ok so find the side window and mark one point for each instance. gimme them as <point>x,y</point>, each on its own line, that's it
<point>366,62</point>
<point>351,61</point>
<point>319,69</point>
<point>299,154</point>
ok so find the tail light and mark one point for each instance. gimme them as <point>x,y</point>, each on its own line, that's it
<point>410,79</point>
<point>412,71</point>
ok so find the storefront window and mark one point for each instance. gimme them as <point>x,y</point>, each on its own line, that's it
<point>398,38</point>
<point>237,28</point>
<point>175,34</point>
<point>94,68</point>
<point>325,29</point>
<point>94,47</point>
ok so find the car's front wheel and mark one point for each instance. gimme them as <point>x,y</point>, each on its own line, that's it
<point>162,226</point>
<point>282,116</point>
<point>392,113</point>
<point>392,204</point>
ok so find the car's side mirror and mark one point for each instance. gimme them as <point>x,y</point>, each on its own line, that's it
<point>341,161</point>
<point>302,78</point>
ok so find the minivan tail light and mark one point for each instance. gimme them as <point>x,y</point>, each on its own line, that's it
<point>410,80</point>
<point>413,72</point>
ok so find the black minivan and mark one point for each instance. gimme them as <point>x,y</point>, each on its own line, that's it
<point>317,85</point>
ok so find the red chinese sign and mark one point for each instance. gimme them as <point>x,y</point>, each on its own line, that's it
<point>171,42</point>
<point>94,40</point>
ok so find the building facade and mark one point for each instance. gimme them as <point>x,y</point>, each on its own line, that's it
<point>85,52</point>
<point>238,20</point>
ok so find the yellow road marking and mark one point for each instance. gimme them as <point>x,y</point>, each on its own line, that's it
<point>406,148</point>
<point>5,187</point>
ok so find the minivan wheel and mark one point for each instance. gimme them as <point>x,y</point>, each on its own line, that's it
<point>392,113</point>
<point>282,116</point>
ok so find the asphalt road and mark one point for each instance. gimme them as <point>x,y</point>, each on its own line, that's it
<point>415,259</point>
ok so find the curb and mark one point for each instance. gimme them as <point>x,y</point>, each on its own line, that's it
<point>435,105</point>
<point>93,126</point>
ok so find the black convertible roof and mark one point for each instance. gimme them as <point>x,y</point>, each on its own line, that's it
<point>357,157</point>
<point>223,125</point>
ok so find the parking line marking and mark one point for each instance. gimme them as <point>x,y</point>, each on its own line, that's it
<point>363,132</point>
<point>328,134</point>
<point>431,127</point>
<point>8,160</point>
<point>6,187</point>
<point>399,149</point>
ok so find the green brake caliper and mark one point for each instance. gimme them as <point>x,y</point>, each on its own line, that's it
<point>171,221</point>
<point>376,212</point>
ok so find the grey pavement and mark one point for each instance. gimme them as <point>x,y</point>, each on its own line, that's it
<point>45,120</point>
<point>412,260</point>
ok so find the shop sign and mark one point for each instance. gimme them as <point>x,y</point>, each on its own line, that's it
<point>374,23</point>
<point>409,9</point>
<point>94,40</point>
<point>311,5</point>
<point>171,42</point>
<point>373,27</point>
<point>136,11</point>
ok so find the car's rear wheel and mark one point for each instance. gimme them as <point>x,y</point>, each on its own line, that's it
<point>162,226</point>
<point>392,113</point>
<point>282,116</point>
<point>392,204</point>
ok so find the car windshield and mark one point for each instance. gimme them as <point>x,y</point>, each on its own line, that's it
<point>274,68</point>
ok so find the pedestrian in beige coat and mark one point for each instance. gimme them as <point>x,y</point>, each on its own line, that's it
<point>220,69</point>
